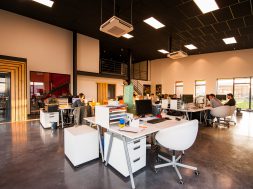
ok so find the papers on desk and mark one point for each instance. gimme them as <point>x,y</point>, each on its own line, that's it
<point>132,129</point>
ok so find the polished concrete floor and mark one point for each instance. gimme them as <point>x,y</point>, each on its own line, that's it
<point>32,157</point>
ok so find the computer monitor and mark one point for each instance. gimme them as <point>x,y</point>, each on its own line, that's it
<point>221,97</point>
<point>74,99</point>
<point>187,98</point>
<point>143,107</point>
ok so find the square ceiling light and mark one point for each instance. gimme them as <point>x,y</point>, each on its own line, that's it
<point>206,5</point>
<point>191,47</point>
<point>128,36</point>
<point>48,3</point>
<point>154,23</point>
<point>230,40</point>
<point>163,51</point>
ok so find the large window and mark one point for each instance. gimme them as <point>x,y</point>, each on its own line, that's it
<point>240,87</point>
<point>242,92</point>
<point>179,88</point>
<point>200,88</point>
<point>224,86</point>
<point>251,102</point>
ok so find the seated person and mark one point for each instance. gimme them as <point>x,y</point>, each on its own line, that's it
<point>231,101</point>
<point>214,102</point>
<point>80,101</point>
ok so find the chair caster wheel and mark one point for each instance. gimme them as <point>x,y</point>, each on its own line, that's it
<point>197,172</point>
<point>181,181</point>
<point>156,171</point>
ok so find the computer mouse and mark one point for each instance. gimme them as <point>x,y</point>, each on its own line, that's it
<point>178,119</point>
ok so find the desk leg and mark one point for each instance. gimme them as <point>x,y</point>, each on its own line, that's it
<point>128,162</point>
<point>109,149</point>
<point>62,118</point>
<point>200,115</point>
<point>100,143</point>
<point>187,115</point>
<point>205,116</point>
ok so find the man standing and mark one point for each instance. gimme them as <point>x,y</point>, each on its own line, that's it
<point>231,101</point>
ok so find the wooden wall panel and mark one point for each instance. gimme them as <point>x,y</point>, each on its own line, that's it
<point>18,87</point>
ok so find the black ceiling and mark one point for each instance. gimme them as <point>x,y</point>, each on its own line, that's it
<point>183,19</point>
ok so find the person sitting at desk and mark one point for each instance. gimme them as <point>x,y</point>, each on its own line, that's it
<point>79,102</point>
<point>214,102</point>
<point>231,101</point>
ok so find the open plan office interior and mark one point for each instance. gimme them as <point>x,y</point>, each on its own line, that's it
<point>141,94</point>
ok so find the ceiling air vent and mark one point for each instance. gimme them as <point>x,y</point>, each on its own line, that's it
<point>116,27</point>
<point>177,54</point>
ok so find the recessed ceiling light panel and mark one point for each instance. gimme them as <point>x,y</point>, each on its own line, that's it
<point>230,40</point>
<point>154,23</point>
<point>128,36</point>
<point>48,3</point>
<point>191,47</point>
<point>206,5</point>
<point>163,51</point>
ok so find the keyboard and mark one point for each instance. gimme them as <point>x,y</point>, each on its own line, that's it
<point>154,121</point>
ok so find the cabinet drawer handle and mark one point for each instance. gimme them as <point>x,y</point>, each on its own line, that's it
<point>137,141</point>
<point>137,147</point>
<point>138,159</point>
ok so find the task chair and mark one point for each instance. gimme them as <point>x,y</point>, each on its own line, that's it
<point>177,138</point>
<point>224,115</point>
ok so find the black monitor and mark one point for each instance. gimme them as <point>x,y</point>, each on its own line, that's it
<point>187,98</point>
<point>143,107</point>
<point>221,97</point>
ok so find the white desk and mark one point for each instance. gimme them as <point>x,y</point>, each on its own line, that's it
<point>192,110</point>
<point>62,108</point>
<point>114,130</point>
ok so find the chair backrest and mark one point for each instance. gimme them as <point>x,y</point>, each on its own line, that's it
<point>180,137</point>
<point>232,110</point>
<point>221,111</point>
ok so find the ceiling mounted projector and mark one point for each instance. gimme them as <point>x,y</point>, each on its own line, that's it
<point>177,54</point>
<point>116,27</point>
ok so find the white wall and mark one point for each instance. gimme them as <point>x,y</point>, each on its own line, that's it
<point>208,67</point>
<point>88,85</point>
<point>87,54</point>
<point>47,48</point>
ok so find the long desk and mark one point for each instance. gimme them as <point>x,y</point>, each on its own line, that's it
<point>193,110</point>
<point>114,130</point>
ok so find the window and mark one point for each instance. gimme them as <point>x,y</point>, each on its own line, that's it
<point>240,87</point>
<point>224,86</point>
<point>111,91</point>
<point>140,70</point>
<point>200,88</point>
<point>179,87</point>
<point>251,100</point>
<point>242,92</point>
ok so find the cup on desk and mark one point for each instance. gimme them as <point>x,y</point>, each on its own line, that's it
<point>121,123</point>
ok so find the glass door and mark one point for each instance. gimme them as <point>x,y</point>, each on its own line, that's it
<point>5,98</point>
<point>242,92</point>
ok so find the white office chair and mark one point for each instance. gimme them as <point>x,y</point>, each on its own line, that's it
<point>177,138</point>
<point>224,115</point>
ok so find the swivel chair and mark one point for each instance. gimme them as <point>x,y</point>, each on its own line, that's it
<point>224,115</point>
<point>177,138</point>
